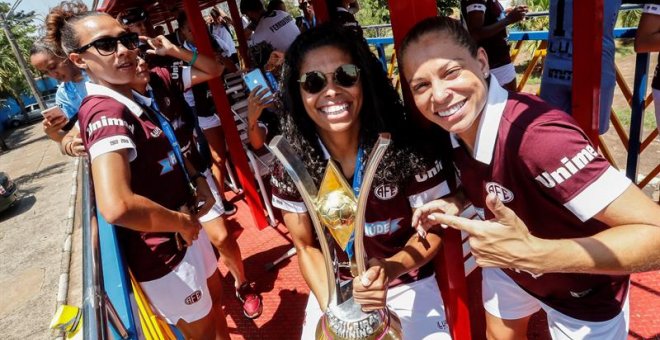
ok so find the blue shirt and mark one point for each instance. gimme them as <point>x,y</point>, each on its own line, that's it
<point>70,94</point>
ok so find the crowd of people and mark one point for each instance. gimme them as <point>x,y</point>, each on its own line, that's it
<point>555,230</point>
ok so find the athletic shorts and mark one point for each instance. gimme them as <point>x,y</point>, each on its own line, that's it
<point>218,209</point>
<point>504,74</point>
<point>418,305</point>
<point>209,122</point>
<point>503,298</point>
<point>183,293</point>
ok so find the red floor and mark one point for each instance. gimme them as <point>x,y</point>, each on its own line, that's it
<point>285,293</point>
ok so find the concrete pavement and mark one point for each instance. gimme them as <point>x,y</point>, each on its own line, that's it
<point>33,234</point>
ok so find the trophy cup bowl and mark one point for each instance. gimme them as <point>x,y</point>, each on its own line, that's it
<point>336,215</point>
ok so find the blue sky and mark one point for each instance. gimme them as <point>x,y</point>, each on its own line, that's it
<point>41,7</point>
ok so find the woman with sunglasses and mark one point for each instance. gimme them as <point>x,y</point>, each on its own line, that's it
<point>141,182</point>
<point>337,100</point>
<point>573,227</point>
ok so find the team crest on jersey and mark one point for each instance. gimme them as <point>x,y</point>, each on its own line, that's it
<point>156,132</point>
<point>505,195</point>
<point>382,227</point>
<point>194,297</point>
<point>386,191</point>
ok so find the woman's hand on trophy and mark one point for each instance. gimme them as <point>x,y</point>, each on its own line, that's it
<point>370,288</point>
<point>425,216</point>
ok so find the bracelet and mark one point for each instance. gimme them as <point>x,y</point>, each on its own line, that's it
<point>196,176</point>
<point>68,149</point>
<point>194,58</point>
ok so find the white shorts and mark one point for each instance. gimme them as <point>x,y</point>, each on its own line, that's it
<point>183,293</point>
<point>504,74</point>
<point>209,122</point>
<point>418,305</point>
<point>218,209</point>
<point>503,298</point>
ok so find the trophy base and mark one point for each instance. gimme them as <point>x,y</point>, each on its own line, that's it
<point>389,329</point>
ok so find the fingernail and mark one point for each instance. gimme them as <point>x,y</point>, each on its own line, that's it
<point>365,280</point>
<point>421,232</point>
<point>444,226</point>
<point>431,217</point>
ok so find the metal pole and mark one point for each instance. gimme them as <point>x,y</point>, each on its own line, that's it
<point>637,115</point>
<point>21,62</point>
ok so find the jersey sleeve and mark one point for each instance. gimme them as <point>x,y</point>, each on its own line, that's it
<point>108,127</point>
<point>474,5</point>
<point>558,155</point>
<point>427,185</point>
<point>63,100</point>
<point>285,195</point>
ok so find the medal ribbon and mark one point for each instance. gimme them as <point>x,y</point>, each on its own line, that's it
<point>357,182</point>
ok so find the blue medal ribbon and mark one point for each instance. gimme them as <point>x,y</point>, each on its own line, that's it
<point>357,182</point>
<point>168,130</point>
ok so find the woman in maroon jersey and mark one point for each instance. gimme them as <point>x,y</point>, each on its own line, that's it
<point>140,179</point>
<point>337,100</point>
<point>568,236</point>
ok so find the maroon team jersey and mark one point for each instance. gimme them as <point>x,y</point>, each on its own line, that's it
<point>388,214</point>
<point>496,46</point>
<point>111,122</point>
<point>168,90</point>
<point>542,166</point>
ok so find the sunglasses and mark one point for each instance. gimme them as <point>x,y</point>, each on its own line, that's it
<point>133,16</point>
<point>107,46</point>
<point>315,81</point>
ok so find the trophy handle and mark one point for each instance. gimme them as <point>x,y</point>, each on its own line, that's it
<point>308,191</point>
<point>374,159</point>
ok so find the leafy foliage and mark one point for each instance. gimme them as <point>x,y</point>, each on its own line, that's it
<point>12,81</point>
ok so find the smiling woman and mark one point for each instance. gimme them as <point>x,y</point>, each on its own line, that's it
<point>338,100</point>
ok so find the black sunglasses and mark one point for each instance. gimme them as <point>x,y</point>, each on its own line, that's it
<point>133,16</point>
<point>108,45</point>
<point>345,76</point>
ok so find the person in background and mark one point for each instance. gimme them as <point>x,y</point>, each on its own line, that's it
<point>308,18</point>
<point>342,12</point>
<point>272,31</point>
<point>219,29</point>
<point>276,5</point>
<point>159,30</point>
<point>338,100</point>
<point>137,20</point>
<point>648,40</point>
<point>49,59</point>
<point>486,21</point>
<point>560,228</point>
<point>556,81</point>
<point>130,164</point>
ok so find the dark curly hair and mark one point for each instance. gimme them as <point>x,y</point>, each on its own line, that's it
<point>382,110</point>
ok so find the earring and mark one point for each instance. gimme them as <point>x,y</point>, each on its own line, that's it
<point>485,74</point>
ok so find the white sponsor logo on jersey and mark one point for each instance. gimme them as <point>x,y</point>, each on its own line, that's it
<point>104,121</point>
<point>505,195</point>
<point>429,173</point>
<point>156,132</point>
<point>382,227</point>
<point>570,167</point>
<point>386,191</point>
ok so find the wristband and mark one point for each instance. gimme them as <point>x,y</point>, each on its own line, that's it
<point>194,58</point>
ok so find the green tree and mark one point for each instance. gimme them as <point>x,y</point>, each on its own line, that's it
<point>12,81</point>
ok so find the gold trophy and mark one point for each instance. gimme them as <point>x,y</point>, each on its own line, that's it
<point>336,214</point>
